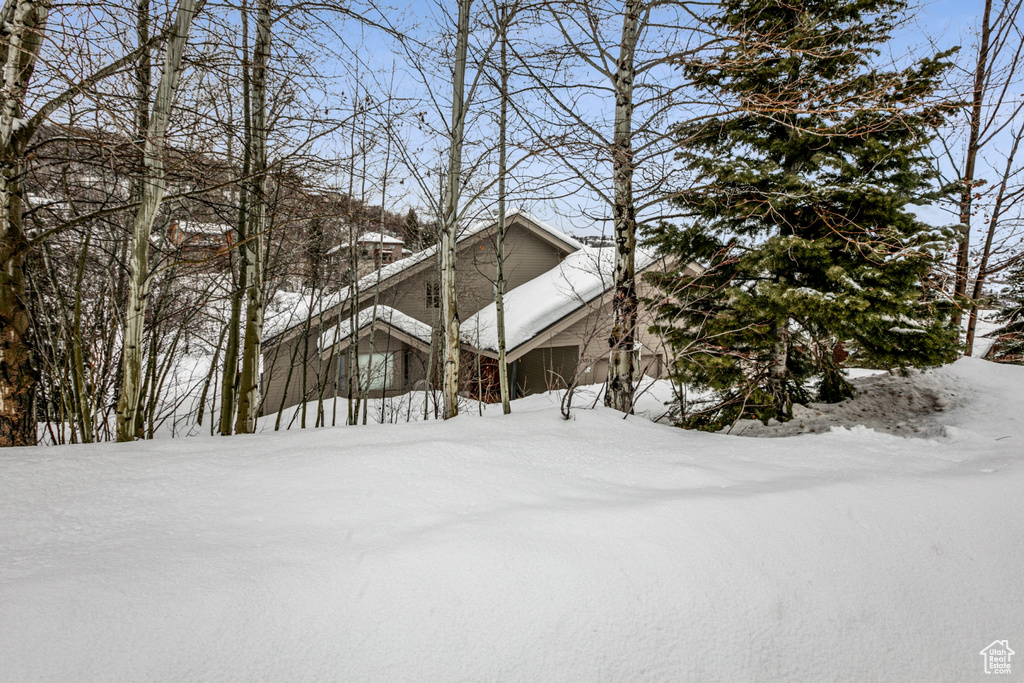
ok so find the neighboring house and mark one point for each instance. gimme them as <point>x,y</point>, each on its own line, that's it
<point>379,248</point>
<point>374,249</point>
<point>558,318</point>
<point>202,243</point>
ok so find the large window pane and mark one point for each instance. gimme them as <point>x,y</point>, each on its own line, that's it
<point>379,368</point>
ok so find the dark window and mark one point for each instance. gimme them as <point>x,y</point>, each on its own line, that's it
<point>433,295</point>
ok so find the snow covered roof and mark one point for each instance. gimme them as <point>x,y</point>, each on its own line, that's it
<point>200,228</point>
<point>536,305</point>
<point>386,315</point>
<point>369,238</point>
<point>294,317</point>
<point>377,238</point>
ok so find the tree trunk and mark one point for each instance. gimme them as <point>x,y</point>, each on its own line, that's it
<point>499,279</point>
<point>352,350</point>
<point>778,377</point>
<point>229,381</point>
<point>993,224</point>
<point>621,369</point>
<point>450,221</point>
<point>21,29</point>
<point>152,196</point>
<point>249,388</point>
<point>17,368</point>
<point>967,193</point>
<point>78,380</point>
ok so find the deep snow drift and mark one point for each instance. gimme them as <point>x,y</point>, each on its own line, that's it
<point>523,548</point>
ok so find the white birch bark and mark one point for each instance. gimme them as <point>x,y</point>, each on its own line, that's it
<point>450,220</point>
<point>229,379</point>
<point>22,23</point>
<point>249,387</point>
<point>621,368</point>
<point>152,195</point>
<point>499,280</point>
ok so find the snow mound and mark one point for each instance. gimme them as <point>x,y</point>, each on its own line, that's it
<point>522,548</point>
<point>909,405</point>
<point>925,404</point>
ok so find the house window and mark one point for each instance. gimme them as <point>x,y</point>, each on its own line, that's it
<point>433,295</point>
<point>378,369</point>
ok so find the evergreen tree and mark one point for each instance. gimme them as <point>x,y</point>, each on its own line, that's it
<point>316,254</point>
<point>800,209</point>
<point>411,230</point>
<point>1009,346</point>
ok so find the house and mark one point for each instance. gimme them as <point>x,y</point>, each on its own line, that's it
<point>377,247</point>
<point>374,249</point>
<point>201,242</point>
<point>557,324</point>
<point>558,318</point>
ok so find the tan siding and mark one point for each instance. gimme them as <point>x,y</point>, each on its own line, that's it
<point>526,257</point>
<point>544,369</point>
<point>410,367</point>
<point>276,380</point>
<point>590,334</point>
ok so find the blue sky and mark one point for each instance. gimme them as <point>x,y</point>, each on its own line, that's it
<point>946,22</point>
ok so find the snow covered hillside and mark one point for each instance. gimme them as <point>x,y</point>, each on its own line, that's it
<point>524,548</point>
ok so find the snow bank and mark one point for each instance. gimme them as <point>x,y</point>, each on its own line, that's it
<point>522,548</point>
<point>904,405</point>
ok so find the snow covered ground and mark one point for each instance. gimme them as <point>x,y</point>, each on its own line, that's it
<point>524,548</point>
<point>984,333</point>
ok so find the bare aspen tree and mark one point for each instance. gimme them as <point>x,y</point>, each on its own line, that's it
<point>229,388</point>
<point>353,393</point>
<point>452,189</point>
<point>376,287</point>
<point>249,389</point>
<point>450,219</point>
<point>621,370</point>
<point>967,178</point>
<point>152,196</point>
<point>143,93</point>
<point>504,17</point>
<point>1006,198</point>
<point>78,373</point>
<point>982,185</point>
<point>613,65</point>
<point>21,33</point>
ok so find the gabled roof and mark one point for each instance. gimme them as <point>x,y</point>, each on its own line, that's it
<point>549,298</point>
<point>200,228</point>
<point>369,238</point>
<point>377,237</point>
<point>385,316</point>
<point>397,271</point>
